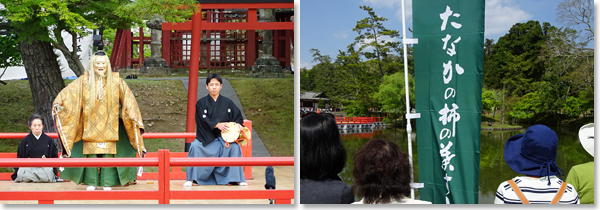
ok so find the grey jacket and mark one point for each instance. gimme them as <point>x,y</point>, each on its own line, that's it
<point>331,191</point>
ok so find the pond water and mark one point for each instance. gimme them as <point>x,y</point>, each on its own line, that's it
<point>493,170</point>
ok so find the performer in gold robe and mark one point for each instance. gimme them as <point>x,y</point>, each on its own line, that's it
<point>100,109</point>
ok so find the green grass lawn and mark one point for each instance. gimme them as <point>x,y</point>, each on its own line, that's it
<point>268,103</point>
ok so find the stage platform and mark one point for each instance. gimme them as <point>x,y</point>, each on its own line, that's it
<point>284,180</point>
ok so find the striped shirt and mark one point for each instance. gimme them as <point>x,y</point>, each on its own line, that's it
<point>537,191</point>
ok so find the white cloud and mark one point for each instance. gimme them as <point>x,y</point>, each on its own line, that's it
<point>386,38</point>
<point>408,6</point>
<point>397,4</point>
<point>500,15</point>
<point>384,3</point>
<point>304,64</point>
<point>341,34</point>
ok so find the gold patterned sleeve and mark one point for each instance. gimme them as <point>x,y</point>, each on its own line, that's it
<point>132,118</point>
<point>66,112</point>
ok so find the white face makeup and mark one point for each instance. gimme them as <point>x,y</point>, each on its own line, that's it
<point>100,65</point>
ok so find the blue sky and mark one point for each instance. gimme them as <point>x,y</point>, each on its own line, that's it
<point>327,25</point>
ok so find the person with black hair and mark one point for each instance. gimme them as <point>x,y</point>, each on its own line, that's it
<point>214,115</point>
<point>36,145</point>
<point>322,158</point>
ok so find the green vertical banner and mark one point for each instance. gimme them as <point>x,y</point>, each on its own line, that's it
<point>448,81</point>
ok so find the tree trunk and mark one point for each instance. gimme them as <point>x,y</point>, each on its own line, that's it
<point>44,77</point>
<point>71,56</point>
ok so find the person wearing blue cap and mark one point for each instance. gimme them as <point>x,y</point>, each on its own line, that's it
<point>534,155</point>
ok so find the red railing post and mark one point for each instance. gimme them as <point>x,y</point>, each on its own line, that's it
<point>164,179</point>
<point>161,176</point>
<point>247,150</point>
<point>45,202</point>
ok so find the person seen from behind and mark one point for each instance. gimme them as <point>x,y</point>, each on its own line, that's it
<point>582,176</point>
<point>533,154</point>
<point>322,158</point>
<point>382,174</point>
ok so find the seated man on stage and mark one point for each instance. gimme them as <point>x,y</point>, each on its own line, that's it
<point>213,112</point>
<point>36,145</point>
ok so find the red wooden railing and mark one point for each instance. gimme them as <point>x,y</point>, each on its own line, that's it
<point>145,135</point>
<point>357,120</point>
<point>164,194</point>
<point>177,171</point>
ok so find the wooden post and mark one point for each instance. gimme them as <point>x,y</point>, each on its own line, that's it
<point>193,78</point>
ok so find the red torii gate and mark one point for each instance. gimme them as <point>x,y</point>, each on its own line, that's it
<point>197,25</point>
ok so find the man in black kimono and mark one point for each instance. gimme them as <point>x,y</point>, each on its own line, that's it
<point>212,113</point>
<point>36,145</point>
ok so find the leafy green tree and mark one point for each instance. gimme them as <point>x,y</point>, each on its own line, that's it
<point>45,20</point>
<point>371,33</point>
<point>9,55</point>
<point>487,62</point>
<point>172,11</point>
<point>39,25</point>
<point>324,69</point>
<point>490,100</point>
<point>358,79</point>
<point>392,94</point>
<point>569,70</point>
<point>522,45</point>
<point>368,85</point>
<point>351,82</point>
<point>514,80</point>
<point>526,107</point>
<point>306,80</point>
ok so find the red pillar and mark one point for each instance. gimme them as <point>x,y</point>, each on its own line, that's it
<point>141,48</point>
<point>166,46</point>
<point>250,48</point>
<point>251,43</point>
<point>276,38</point>
<point>288,35</point>
<point>193,78</point>
<point>127,61</point>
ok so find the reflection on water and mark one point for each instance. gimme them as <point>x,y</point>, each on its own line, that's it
<point>492,170</point>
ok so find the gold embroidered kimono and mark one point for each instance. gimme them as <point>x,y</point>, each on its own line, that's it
<point>90,112</point>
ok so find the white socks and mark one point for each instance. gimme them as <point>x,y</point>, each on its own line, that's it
<point>94,188</point>
<point>188,184</point>
<point>243,184</point>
